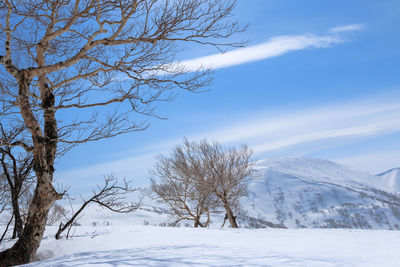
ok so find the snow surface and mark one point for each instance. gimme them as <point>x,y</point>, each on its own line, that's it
<point>166,246</point>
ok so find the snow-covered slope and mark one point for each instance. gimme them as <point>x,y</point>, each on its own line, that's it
<point>392,178</point>
<point>299,192</point>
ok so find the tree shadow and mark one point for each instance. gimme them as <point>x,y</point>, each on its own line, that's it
<point>200,255</point>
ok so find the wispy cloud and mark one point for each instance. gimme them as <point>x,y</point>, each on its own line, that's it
<point>347,28</point>
<point>352,120</point>
<point>274,47</point>
<point>317,136</point>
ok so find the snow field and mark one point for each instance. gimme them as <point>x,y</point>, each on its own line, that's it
<point>165,246</point>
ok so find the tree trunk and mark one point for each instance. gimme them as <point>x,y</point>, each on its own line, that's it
<point>18,224</point>
<point>208,219</point>
<point>44,150</point>
<point>197,223</point>
<point>62,227</point>
<point>231,217</point>
<point>225,218</point>
<point>25,248</point>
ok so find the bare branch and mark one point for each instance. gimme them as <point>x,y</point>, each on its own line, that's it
<point>110,196</point>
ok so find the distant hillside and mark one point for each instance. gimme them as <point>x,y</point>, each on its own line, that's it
<point>299,192</point>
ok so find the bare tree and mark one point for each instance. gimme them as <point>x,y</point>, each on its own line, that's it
<point>178,186</point>
<point>110,196</point>
<point>226,174</point>
<point>16,167</point>
<point>199,177</point>
<point>113,57</point>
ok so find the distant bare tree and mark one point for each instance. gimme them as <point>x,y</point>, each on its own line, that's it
<point>4,194</point>
<point>198,177</point>
<point>110,196</point>
<point>178,186</point>
<point>6,229</point>
<point>4,203</point>
<point>226,174</point>
<point>56,214</point>
<point>108,57</point>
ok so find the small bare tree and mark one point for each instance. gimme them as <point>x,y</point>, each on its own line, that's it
<point>111,58</point>
<point>110,196</point>
<point>16,167</point>
<point>178,186</point>
<point>199,177</point>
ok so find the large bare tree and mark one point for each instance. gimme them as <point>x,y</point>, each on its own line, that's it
<point>110,59</point>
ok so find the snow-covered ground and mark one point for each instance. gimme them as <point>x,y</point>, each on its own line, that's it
<point>165,246</point>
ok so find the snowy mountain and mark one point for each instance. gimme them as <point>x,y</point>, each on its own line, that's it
<point>299,192</point>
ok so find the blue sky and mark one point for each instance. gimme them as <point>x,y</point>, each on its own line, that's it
<point>317,79</point>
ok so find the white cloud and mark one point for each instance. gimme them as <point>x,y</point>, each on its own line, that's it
<point>316,136</point>
<point>347,28</point>
<point>274,47</point>
<point>264,133</point>
<point>364,118</point>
